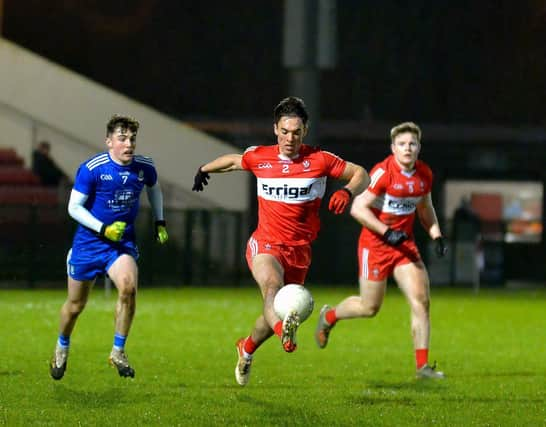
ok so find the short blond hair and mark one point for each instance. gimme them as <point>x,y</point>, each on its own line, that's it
<point>406,127</point>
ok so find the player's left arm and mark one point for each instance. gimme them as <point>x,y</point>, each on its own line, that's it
<point>429,221</point>
<point>155,196</point>
<point>357,180</point>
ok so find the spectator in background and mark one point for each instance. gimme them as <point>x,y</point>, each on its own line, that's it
<point>50,174</point>
<point>466,222</point>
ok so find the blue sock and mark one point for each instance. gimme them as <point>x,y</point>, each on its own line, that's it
<point>64,341</point>
<point>119,341</point>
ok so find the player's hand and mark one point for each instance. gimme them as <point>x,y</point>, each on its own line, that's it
<point>114,231</point>
<point>394,237</point>
<point>340,200</point>
<point>440,246</point>
<point>200,179</point>
<point>161,234</point>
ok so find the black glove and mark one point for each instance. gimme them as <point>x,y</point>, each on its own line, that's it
<point>200,179</point>
<point>394,237</point>
<point>440,246</point>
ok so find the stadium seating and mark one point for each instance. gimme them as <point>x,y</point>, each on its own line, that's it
<point>8,156</point>
<point>24,195</point>
<point>19,186</point>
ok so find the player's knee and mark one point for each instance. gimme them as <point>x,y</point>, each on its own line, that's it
<point>422,303</point>
<point>369,309</point>
<point>373,310</point>
<point>127,292</point>
<point>75,307</point>
<point>126,286</point>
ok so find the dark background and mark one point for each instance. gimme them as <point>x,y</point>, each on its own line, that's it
<point>434,61</point>
<point>470,72</point>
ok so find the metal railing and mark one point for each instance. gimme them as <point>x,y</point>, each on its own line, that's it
<point>205,247</point>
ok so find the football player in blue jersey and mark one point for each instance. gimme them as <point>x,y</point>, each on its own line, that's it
<point>105,202</point>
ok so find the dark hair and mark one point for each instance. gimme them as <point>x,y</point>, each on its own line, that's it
<point>291,107</point>
<point>123,122</point>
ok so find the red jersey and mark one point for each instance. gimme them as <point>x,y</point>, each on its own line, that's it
<point>290,191</point>
<point>398,194</point>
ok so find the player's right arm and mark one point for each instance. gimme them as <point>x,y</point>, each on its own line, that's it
<point>225,163</point>
<point>362,212</point>
<point>78,211</point>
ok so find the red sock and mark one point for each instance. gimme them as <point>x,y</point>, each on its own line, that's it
<point>278,328</point>
<point>249,346</point>
<point>421,357</point>
<point>330,317</point>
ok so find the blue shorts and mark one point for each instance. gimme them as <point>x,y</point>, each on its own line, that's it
<point>86,263</point>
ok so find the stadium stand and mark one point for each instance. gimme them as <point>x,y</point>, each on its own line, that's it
<point>19,186</point>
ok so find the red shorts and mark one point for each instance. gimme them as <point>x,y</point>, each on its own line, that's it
<point>295,260</point>
<point>377,262</point>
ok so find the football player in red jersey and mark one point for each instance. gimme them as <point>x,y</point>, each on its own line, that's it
<point>291,182</point>
<point>400,187</point>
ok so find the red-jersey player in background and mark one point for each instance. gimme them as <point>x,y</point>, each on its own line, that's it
<point>291,181</point>
<point>400,186</point>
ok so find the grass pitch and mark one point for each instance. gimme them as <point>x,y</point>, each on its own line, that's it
<point>491,346</point>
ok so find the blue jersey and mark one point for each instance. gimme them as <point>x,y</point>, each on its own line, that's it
<point>113,192</point>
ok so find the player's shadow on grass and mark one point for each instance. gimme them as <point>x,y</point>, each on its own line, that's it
<point>279,411</point>
<point>112,397</point>
<point>10,373</point>
<point>510,399</point>
<point>503,374</point>
<point>426,386</point>
<point>396,392</point>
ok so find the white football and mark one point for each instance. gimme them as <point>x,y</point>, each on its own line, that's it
<point>293,298</point>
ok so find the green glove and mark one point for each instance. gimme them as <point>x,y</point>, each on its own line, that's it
<point>161,234</point>
<point>114,231</point>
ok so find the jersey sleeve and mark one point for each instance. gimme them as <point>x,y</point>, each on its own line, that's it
<point>85,180</point>
<point>151,176</point>
<point>148,168</point>
<point>428,177</point>
<point>335,165</point>
<point>378,180</point>
<point>247,161</point>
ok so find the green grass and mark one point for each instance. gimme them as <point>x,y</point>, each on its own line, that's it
<point>492,346</point>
